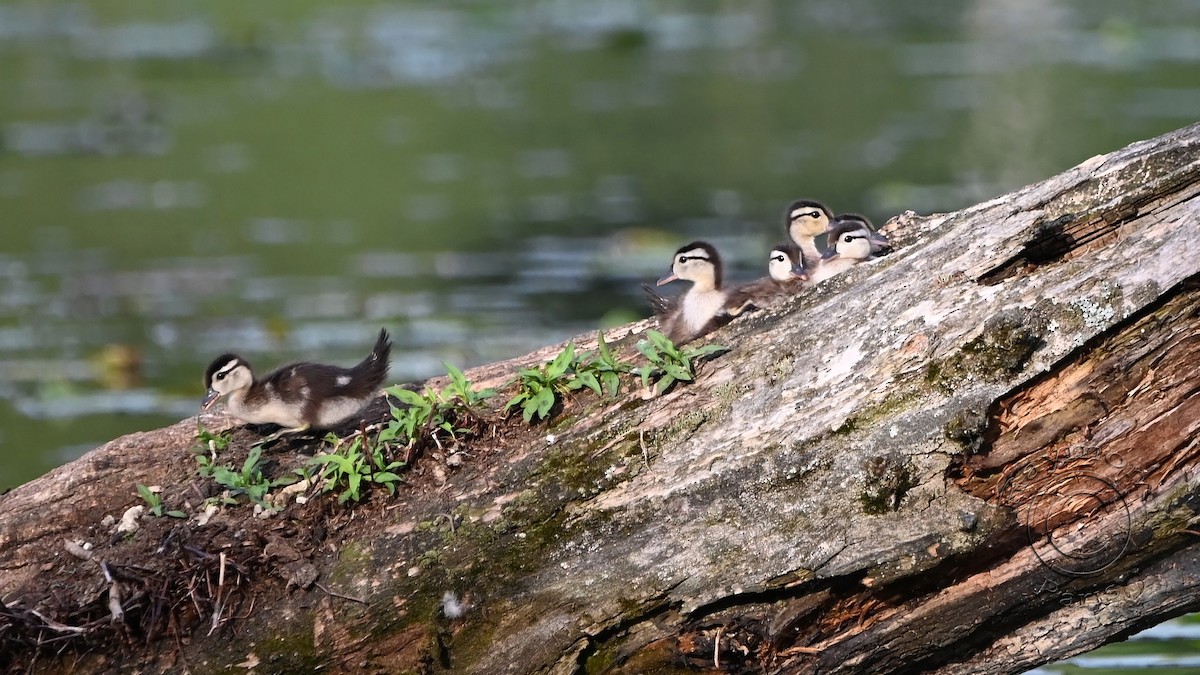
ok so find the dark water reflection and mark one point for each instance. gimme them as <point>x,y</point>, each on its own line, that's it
<point>281,179</point>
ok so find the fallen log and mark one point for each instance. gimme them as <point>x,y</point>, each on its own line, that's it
<point>974,455</point>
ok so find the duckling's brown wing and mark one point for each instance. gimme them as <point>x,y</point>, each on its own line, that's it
<point>755,294</point>
<point>289,383</point>
<point>318,390</point>
<point>660,304</point>
<point>284,384</point>
<point>320,381</point>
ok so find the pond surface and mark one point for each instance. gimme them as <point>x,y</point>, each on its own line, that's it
<point>1170,648</point>
<point>180,178</point>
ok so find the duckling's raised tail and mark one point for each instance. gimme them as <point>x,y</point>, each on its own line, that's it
<point>371,371</point>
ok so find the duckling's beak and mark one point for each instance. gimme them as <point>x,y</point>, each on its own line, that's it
<point>667,279</point>
<point>799,272</point>
<point>209,399</point>
<point>878,241</point>
<point>829,253</point>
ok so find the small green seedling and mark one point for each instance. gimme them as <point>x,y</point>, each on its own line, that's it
<point>155,503</point>
<point>539,388</point>
<point>210,440</point>
<point>209,443</point>
<point>604,366</point>
<point>422,415</point>
<point>460,394</point>
<point>463,411</point>
<point>248,481</point>
<point>411,421</point>
<point>350,465</point>
<point>668,363</point>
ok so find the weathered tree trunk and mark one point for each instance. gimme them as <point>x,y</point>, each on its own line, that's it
<point>974,455</point>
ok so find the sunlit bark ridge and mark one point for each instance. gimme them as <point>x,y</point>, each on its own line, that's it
<point>974,455</point>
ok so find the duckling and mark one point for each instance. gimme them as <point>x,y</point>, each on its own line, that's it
<point>785,266</point>
<point>298,396</point>
<point>851,241</point>
<point>700,309</point>
<point>805,220</point>
<point>786,263</point>
<point>880,246</point>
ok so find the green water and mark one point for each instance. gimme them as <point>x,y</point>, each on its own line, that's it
<point>183,178</point>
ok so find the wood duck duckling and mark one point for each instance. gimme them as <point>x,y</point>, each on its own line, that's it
<point>701,308</point>
<point>851,241</point>
<point>298,396</point>
<point>880,246</point>
<point>806,220</point>
<point>786,264</point>
<point>786,276</point>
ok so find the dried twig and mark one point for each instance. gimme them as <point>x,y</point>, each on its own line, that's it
<point>56,626</point>
<point>114,595</point>
<point>218,605</point>
<point>339,595</point>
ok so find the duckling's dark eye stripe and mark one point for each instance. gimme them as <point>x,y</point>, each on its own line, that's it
<point>228,367</point>
<point>801,214</point>
<point>685,258</point>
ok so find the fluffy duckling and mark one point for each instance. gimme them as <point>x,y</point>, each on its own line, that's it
<point>806,220</point>
<point>880,246</point>
<point>701,308</point>
<point>785,266</point>
<point>298,396</point>
<point>786,263</point>
<point>851,241</point>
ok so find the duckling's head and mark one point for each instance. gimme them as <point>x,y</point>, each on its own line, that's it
<point>850,237</point>
<point>806,218</point>
<point>879,243</point>
<point>786,263</point>
<point>226,374</point>
<point>699,263</point>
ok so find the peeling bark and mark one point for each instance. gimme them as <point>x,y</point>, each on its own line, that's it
<point>974,455</point>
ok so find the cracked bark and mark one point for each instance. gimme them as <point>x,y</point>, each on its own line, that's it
<point>975,455</point>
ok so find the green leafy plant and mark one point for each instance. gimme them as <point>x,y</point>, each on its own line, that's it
<point>352,464</point>
<point>155,503</point>
<point>539,388</point>
<point>210,442</point>
<point>409,422</point>
<point>219,441</point>
<point>464,411</point>
<point>668,363</point>
<point>248,481</point>
<point>435,415</point>
<point>604,366</point>
<point>460,394</point>
<point>423,416</point>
